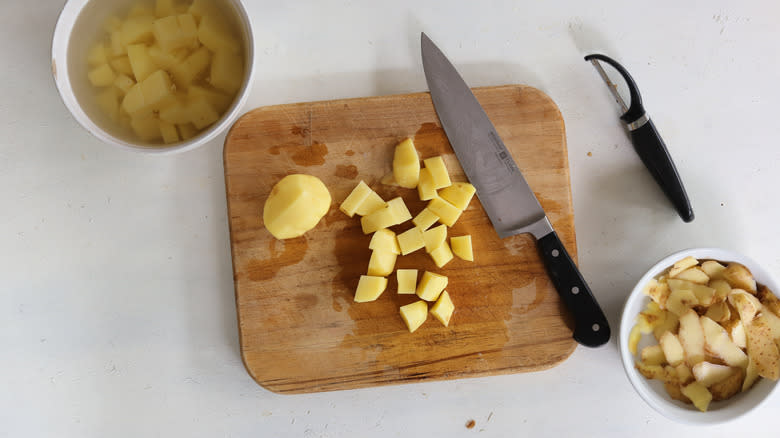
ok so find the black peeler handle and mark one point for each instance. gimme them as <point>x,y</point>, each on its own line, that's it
<point>648,143</point>
<point>651,149</point>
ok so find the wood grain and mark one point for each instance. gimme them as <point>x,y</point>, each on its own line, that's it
<point>300,330</point>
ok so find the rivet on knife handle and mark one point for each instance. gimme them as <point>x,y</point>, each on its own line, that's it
<point>647,142</point>
<point>591,327</point>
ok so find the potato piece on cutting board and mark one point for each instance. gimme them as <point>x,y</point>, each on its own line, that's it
<point>296,204</point>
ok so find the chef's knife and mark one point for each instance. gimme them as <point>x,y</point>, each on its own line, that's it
<point>508,200</point>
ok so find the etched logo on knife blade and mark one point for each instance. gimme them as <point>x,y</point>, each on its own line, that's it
<point>502,153</point>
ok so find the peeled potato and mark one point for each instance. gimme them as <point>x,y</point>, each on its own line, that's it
<point>296,204</point>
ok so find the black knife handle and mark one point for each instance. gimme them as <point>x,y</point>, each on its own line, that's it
<point>651,149</point>
<point>590,326</point>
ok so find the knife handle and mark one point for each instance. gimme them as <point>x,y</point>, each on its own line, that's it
<point>651,149</point>
<point>590,326</point>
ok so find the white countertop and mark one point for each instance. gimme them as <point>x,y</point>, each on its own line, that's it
<point>117,315</point>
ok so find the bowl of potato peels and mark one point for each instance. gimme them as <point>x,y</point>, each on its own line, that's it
<point>700,336</point>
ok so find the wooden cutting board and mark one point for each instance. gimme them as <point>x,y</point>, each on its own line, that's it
<point>300,330</point>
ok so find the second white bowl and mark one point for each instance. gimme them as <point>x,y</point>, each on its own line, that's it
<point>652,391</point>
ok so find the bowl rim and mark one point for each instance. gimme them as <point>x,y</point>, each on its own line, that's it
<point>627,321</point>
<point>59,66</point>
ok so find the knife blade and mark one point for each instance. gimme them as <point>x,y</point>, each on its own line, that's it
<point>503,191</point>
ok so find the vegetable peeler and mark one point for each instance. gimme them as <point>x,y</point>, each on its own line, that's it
<point>647,142</point>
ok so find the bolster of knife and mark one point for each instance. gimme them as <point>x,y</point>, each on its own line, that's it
<point>652,151</point>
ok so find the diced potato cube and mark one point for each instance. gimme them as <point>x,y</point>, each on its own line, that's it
<point>111,24</point>
<point>443,308</point>
<point>439,174</point>
<point>448,214</point>
<point>169,132</point>
<point>185,72</point>
<point>102,76</point>
<point>147,128</point>
<point>189,27</point>
<point>382,218</point>
<point>216,35</point>
<point>227,71</point>
<point>425,188</point>
<point>414,315</point>
<point>442,255</point>
<point>461,246</point>
<point>370,204</point>
<point>140,61</point>
<point>354,199</point>
<point>411,240</point>
<point>174,32</point>
<point>158,90</point>
<point>458,194</point>
<point>186,131</point>
<point>163,8</point>
<point>97,55</point>
<point>431,285</point>
<point>384,240</point>
<point>406,164</point>
<point>425,219</point>
<point>219,100</point>
<point>140,10</point>
<point>370,288</point>
<point>108,100</point>
<point>122,65</point>
<point>167,33</point>
<point>153,93</point>
<point>167,60</point>
<point>398,208</point>
<point>123,83</point>
<point>407,281</point>
<point>177,112</point>
<point>134,103</point>
<point>201,8</point>
<point>138,30</point>
<point>202,114</point>
<point>381,263</point>
<point>435,237</point>
<point>117,47</point>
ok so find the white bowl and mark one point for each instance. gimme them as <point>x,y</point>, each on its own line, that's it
<point>652,391</point>
<point>78,27</point>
